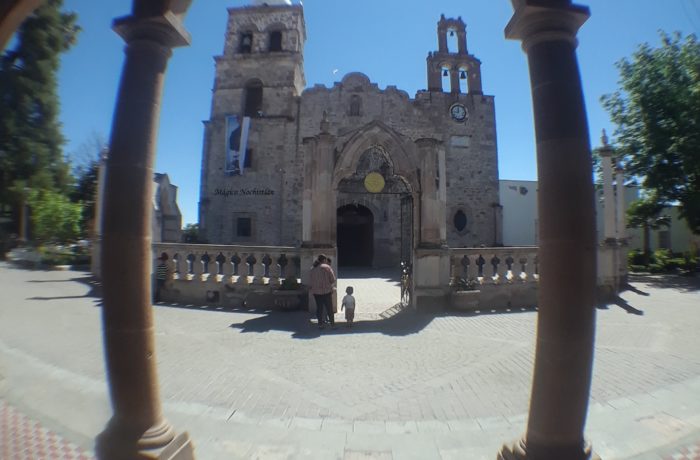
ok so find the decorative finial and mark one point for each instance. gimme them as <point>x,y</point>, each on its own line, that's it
<point>604,138</point>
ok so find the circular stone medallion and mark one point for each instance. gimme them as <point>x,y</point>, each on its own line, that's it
<point>374,182</point>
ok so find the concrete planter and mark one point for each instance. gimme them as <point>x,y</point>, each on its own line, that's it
<point>465,300</point>
<point>288,300</point>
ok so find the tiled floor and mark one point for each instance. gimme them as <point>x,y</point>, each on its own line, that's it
<point>689,452</point>
<point>22,438</point>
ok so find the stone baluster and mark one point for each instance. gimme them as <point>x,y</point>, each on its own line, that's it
<point>213,270</point>
<point>274,271</point>
<point>249,268</point>
<point>176,266</point>
<point>510,268</point>
<point>190,260</point>
<point>240,269</point>
<point>495,269</point>
<point>471,270</point>
<point>199,265</point>
<point>259,270</point>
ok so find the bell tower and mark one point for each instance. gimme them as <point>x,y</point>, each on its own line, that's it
<point>457,64</point>
<point>262,68</point>
<point>249,139</point>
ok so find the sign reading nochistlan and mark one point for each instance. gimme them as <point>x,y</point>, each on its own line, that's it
<point>227,192</point>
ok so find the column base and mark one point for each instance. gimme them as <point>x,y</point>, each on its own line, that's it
<point>518,451</point>
<point>157,443</point>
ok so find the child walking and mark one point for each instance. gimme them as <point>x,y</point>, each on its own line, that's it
<point>349,306</point>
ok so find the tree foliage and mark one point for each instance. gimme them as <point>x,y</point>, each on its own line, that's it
<point>646,214</point>
<point>657,113</point>
<point>54,218</point>
<point>30,133</point>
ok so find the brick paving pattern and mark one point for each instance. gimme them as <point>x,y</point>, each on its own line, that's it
<point>250,384</point>
<point>22,438</point>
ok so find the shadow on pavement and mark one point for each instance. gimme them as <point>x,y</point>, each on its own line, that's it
<point>683,283</point>
<point>622,303</point>
<point>94,289</point>
<point>301,327</point>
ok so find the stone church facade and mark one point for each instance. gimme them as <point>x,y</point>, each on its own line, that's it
<point>369,171</point>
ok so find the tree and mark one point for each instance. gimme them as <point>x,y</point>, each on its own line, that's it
<point>86,161</point>
<point>657,113</point>
<point>30,135</point>
<point>55,219</point>
<point>646,214</point>
<point>190,234</point>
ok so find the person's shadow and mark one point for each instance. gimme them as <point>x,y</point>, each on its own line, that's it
<point>622,303</point>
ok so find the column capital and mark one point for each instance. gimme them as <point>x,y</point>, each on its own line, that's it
<point>537,21</point>
<point>166,30</point>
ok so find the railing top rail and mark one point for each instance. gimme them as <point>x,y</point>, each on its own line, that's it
<point>224,247</point>
<point>495,249</point>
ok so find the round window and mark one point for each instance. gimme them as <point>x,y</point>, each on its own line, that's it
<point>460,220</point>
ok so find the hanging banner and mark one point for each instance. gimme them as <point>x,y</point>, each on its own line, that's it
<point>236,144</point>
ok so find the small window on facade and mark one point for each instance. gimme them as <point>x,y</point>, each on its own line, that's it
<point>355,103</point>
<point>248,158</point>
<point>275,41</point>
<point>253,100</point>
<point>244,227</point>
<point>246,43</point>
<point>460,220</point>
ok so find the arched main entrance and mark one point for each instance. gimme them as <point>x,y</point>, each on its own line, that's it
<point>355,236</point>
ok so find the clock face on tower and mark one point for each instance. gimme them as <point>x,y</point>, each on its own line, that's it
<point>458,112</point>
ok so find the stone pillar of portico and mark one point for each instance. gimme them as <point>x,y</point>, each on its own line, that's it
<point>608,253</point>
<point>621,225</point>
<point>319,206</point>
<point>96,254</point>
<point>610,221</point>
<point>431,269</point>
<point>137,428</point>
<point>566,317</point>
<point>430,209</point>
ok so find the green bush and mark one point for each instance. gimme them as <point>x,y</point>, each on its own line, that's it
<point>462,284</point>
<point>58,255</point>
<point>638,268</point>
<point>54,217</point>
<point>635,257</point>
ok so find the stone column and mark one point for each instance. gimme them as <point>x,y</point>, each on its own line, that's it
<point>319,205</point>
<point>621,225</point>
<point>566,318</point>
<point>137,428</point>
<point>430,215</point>
<point>442,36</point>
<point>462,41</point>
<point>96,256</point>
<point>474,75</point>
<point>454,78</point>
<point>609,224</point>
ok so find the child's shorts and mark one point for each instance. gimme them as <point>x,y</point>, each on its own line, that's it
<point>349,314</point>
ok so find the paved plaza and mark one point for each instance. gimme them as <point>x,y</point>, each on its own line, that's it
<point>267,385</point>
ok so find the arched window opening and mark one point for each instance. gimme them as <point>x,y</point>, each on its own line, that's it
<point>460,221</point>
<point>355,106</point>
<point>446,82</point>
<point>463,75</point>
<point>253,99</point>
<point>452,46</point>
<point>246,43</point>
<point>275,43</point>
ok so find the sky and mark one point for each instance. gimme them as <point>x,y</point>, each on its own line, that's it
<point>388,40</point>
